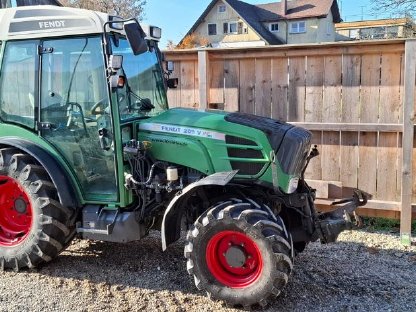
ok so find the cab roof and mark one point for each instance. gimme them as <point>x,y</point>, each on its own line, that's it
<point>49,21</point>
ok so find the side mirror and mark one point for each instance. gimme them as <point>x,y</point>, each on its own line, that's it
<point>136,37</point>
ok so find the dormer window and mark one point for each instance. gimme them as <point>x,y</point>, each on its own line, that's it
<point>274,27</point>
<point>298,27</point>
<point>222,8</point>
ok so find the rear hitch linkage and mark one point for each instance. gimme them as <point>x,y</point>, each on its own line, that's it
<point>330,224</point>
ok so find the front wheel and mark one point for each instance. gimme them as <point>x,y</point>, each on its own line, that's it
<point>239,253</point>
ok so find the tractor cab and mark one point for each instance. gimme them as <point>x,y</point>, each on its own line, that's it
<point>72,77</point>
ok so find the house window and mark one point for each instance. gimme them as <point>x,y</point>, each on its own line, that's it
<point>274,27</point>
<point>222,8</point>
<point>233,28</point>
<point>225,28</point>
<point>212,29</point>
<point>297,27</point>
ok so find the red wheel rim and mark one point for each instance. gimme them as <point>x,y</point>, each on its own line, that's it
<point>234,259</point>
<point>15,212</point>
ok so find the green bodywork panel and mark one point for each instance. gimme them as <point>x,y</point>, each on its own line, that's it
<point>197,140</point>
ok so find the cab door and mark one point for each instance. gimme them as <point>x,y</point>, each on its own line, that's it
<point>75,108</point>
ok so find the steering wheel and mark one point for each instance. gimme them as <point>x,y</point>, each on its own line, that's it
<point>98,108</point>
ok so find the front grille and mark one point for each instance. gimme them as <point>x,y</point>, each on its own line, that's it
<point>290,143</point>
<point>246,168</point>
<point>230,139</point>
<point>244,153</point>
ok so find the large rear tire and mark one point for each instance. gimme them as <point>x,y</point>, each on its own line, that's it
<point>239,253</point>
<point>34,226</point>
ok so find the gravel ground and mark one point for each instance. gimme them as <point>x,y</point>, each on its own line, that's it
<point>363,272</point>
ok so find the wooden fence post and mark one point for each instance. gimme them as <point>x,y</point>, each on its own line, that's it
<point>408,136</point>
<point>204,83</point>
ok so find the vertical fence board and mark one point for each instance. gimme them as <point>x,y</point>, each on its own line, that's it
<point>297,89</point>
<point>390,105</point>
<point>414,170</point>
<point>351,88</point>
<point>389,113</point>
<point>331,106</point>
<point>408,141</point>
<point>279,78</point>
<point>188,84</point>
<point>370,98</point>
<point>197,90</point>
<point>387,162</point>
<point>314,88</point>
<point>232,82</point>
<point>216,94</point>
<point>174,95</point>
<point>202,79</point>
<point>263,88</point>
<point>330,156</point>
<point>400,166</point>
<point>370,87</point>
<point>247,85</point>
<point>367,172</point>
<point>350,113</point>
<point>349,159</point>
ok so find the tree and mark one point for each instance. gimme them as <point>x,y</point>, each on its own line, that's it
<point>402,7</point>
<point>170,45</point>
<point>123,8</point>
<point>193,41</point>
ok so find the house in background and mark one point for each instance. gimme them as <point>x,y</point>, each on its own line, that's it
<point>234,23</point>
<point>376,29</point>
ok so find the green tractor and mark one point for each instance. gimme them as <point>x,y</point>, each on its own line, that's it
<point>88,146</point>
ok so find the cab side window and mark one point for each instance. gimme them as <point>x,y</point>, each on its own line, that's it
<point>17,83</point>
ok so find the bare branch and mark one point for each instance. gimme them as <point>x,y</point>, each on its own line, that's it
<point>123,8</point>
<point>401,7</point>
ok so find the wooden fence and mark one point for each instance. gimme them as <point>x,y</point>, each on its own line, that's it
<point>357,99</point>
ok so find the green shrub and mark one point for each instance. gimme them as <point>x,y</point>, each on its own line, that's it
<point>383,224</point>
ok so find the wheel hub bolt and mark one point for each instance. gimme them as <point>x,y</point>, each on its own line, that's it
<point>20,206</point>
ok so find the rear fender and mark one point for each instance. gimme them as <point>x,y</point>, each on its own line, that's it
<point>171,224</point>
<point>66,191</point>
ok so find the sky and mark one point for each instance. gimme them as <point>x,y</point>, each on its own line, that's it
<point>176,17</point>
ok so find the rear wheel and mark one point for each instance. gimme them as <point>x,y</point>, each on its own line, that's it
<point>34,226</point>
<point>239,253</point>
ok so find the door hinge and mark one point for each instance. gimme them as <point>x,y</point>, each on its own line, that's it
<point>45,50</point>
<point>46,126</point>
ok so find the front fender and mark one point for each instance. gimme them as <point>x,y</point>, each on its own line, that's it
<point>171,224</point>
<point>66,191</point>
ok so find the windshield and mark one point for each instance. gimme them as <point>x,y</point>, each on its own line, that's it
<point>143,85</point>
